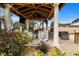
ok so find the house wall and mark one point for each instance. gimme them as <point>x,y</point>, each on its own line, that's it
<point>72,37</point>
<point>76,23</point>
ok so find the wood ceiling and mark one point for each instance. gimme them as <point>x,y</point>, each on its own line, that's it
<point>34,11</point>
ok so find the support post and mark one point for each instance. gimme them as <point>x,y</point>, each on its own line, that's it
<point>27,25</point>
<point>56,31</point>
<point>7,18</point>
<point>0,24</point>
<point>21,29</point>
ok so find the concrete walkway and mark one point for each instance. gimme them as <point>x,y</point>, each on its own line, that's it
<point>67,46</point>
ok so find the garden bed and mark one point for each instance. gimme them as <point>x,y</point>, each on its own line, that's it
<point>13,44</point>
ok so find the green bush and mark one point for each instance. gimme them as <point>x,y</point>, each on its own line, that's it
<point>13,43</point>
<point>76,54</point>
<point>39,53</point>
<point>55,52</point>
<point>29,51</point>
<point>43,47</point>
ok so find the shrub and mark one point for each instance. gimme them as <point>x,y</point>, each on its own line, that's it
<point>29,51</point>
<point>76,54</point>
<point>39,53</point>
<point>55,52</point>
<point>32,51</point>
<point>43,47</point>
<point>13,43</point>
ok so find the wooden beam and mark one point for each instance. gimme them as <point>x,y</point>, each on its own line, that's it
<point>17,12</point>
<point>29,12</point>
<point>50,13</point>
<point>41,5</point>
<point>46,10</point>
<point>43,9</point>
<point>33,5</point>
<point>47,6</point>
<point>19,7</point>
<point>50,16</point>
<point>29,15</point>
<point>37,18</point>
<point>24,4</point>
<point>42,12</point>
<point>26,10</point>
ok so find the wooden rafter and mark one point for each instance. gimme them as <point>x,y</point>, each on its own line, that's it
<point>47,6</point>
<point>37,18</point>
<point>19,7</point>
<point>35,8</point>
<point>45,10</point>
<point>24,4</point>
<point>50,13</point>
<point>29,12</point>
<point>17,12</point>
<point>40,6</point>
<point>33,5</point>
<point>42,12</point>
<point>25,10</point>
<point>30,15</point>
<point>51,16</point>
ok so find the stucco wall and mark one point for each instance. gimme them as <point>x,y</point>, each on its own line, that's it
<point>72,37</point>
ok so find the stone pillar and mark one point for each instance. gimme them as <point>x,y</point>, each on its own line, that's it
<point>27,25</point>
<point>0,24</point>
<point>46,25</point>
<point>56,31</point>
<point>21,29</point>
<point>7,18</point>
<point>42,25</point>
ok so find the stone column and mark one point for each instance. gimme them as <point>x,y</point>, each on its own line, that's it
<point>56,31</point>
<point>0,24</point>
<point>21,29</point>
<point>42,24</point>
<point>46,25</point>
<point>27,25</point>
<point>7,18</point>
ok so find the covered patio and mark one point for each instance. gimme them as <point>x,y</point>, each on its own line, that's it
<point>42,12</point>
<point>31,12</point>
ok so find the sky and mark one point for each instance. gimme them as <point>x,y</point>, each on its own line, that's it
<point>67,14</point>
